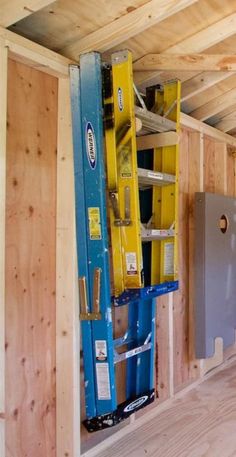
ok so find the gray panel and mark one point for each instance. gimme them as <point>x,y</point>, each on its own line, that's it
<point>215,272</point>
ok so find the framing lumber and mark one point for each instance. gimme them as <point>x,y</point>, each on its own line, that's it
<point>201,82</point>
<point>198,42</point>
<point>67,312</point>
<point>227,123</point>
<point>187,62</point>
<point>157,140</point>
<point>3,134</point>
<point>14,10</point>
<point>34,55</point>
<point>127,26</point>
<point>194,124</point>
<point>215,106</point>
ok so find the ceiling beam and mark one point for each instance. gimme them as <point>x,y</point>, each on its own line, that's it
<point>198,42</point>
<point>34,55</point>
<point>215,106</point>
<point>12,11</point>
<point>126,26</point>
<point>201,82</point>
<point>226,124</point>
<point>186,62</point>
<point>193,124</point>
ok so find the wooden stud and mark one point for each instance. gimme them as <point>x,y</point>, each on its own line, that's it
<point>187,62</point>
<point>15,10</point>
<point>67,312</point>
<point>181,305</point>
<point>198,42</point>
<point>195,185</point>
<point>3,130</point>
<point>126,26</point>
<point>157,140</point>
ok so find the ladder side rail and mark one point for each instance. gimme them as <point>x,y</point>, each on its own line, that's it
<point>97,236</point>
<point>81,238</point>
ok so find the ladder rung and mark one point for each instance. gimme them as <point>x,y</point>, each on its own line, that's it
<point>156,234</point>
<point>132,352</point>
<point>126,339</point>
<point>149,178</point>
<point>152,122</point>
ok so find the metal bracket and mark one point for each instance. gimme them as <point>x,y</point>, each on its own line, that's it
<point>119,222</point>
<point>85,314</point>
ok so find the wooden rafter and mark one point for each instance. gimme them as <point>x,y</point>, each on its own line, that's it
<point>187,62</point>
<point>12,11</point>
<point>228,122</point>
<point>198,42</point>
<point>215,106</point>
<point>201,82</point>
<point>126,26</point>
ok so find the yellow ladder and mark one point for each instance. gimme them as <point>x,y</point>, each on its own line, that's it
<point>165,198</point>
<point>120,133</point>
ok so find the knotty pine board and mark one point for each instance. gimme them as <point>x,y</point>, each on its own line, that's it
<point>30,263</point>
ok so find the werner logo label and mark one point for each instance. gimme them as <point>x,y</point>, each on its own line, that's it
<point>120,99</point>
<point>91,145</point>
<point>135,404</point>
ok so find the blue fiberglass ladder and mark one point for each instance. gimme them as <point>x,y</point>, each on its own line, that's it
<point>101,352</point>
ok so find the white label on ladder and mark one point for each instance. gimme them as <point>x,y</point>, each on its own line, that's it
<point>131,263</point>
<point>103,381</point>
<point>101,350</point>
<point>120,99</point>
<point>91,145</point>
<point>168,259</point>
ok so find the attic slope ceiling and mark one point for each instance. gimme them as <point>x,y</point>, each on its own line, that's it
<point>154,26</point>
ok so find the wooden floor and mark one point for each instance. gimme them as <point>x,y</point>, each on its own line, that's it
<point>202,423</point>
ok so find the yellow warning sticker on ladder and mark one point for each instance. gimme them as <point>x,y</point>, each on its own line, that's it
<point>125,162</point>
<point>94,223</point>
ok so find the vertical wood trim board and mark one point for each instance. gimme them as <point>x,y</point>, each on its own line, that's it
<point>30,263</point>
<point>180,297</point>
<point>195,184</point>
<point>3,133</point>
<point>67,311</point>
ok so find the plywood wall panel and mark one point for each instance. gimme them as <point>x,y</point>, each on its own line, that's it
<point>230,161</point>
<point>30,263</point>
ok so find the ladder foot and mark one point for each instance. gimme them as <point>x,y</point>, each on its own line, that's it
<point>123,411</point>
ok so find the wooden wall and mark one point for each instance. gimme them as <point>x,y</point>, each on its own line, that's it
<point>32,164</point>
<point>204,165</point>
<point>30,263</point>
